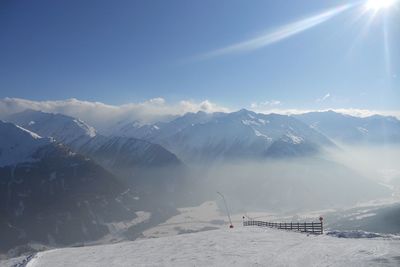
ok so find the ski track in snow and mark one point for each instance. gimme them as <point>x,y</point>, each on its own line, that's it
<point>243,246</point>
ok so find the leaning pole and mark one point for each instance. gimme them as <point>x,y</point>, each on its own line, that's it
<point>227,210</point>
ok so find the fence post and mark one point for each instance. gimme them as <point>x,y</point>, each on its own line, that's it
<point>312,227</point>
<point>322,226</point>
<point>305,227</point>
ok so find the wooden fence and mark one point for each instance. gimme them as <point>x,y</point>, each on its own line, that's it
<point>306,227</point>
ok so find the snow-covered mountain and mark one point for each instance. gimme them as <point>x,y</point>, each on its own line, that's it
<point>243,134</point>
<point>163,129</point>
<point>349,129</point>
<point>18,144</point>
<point>64,129</point>
<point>49,194</point>
<point>110,152</point>
<point>136,129</point>
<point>242,246</point>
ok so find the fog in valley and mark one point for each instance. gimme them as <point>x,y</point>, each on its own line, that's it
<point>335,180</point>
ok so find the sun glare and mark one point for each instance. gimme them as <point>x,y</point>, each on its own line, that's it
<point>379,4</point>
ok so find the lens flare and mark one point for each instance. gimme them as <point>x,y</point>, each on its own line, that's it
<point>377,5</point>
<point>278,34</point>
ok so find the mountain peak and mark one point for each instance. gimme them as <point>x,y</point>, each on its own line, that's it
<point>243,110</point>
<point>17,144</point>
<point>61,127</point>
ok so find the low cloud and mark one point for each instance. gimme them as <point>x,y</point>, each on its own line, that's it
<point>265,104</point>
<point>103,115</point>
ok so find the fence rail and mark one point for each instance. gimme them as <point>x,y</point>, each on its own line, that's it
<point>306,227</point>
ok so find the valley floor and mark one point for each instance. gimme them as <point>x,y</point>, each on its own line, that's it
<point>242,246</point>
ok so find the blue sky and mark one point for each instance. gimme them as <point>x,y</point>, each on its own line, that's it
<point>125,51</point>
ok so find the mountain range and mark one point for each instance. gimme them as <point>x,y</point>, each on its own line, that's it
<point>112,152</point>
<point>348,129</point>
<point>246,134</point>
<point>237,135</point>
<point>63,182</point>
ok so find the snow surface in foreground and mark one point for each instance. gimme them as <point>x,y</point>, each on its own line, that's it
<point>243,246</point>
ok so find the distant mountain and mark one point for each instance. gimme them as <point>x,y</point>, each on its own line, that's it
<point>136,129</point>
<point>111,152</point>
<point>49,194</point>
<point>350,129</point>
<point>243,134</point>
<point>18,144</point>
<point>162,130</point>
<point>62,128</point>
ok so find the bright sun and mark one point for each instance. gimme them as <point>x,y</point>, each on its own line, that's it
<point>379,4</point>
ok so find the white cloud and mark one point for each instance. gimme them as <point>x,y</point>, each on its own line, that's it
<point>157,101</point>
<point>265,104</point>
<point>103,115</point>
<point>277,35</point>
<point>325,97</point>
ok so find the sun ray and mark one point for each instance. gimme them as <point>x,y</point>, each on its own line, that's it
<point>386,47</point>
<point>371,10</point>
<point>277,35</point>
<point>363,32</point>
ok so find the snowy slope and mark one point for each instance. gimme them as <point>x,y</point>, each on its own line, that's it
<point>238,247</point>
<point>62,128</point>
<point>17,144</point>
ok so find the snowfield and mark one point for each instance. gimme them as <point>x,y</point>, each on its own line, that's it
<point>242,246</point>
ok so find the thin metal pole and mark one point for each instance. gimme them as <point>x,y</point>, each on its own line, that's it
<point>226,207</point>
